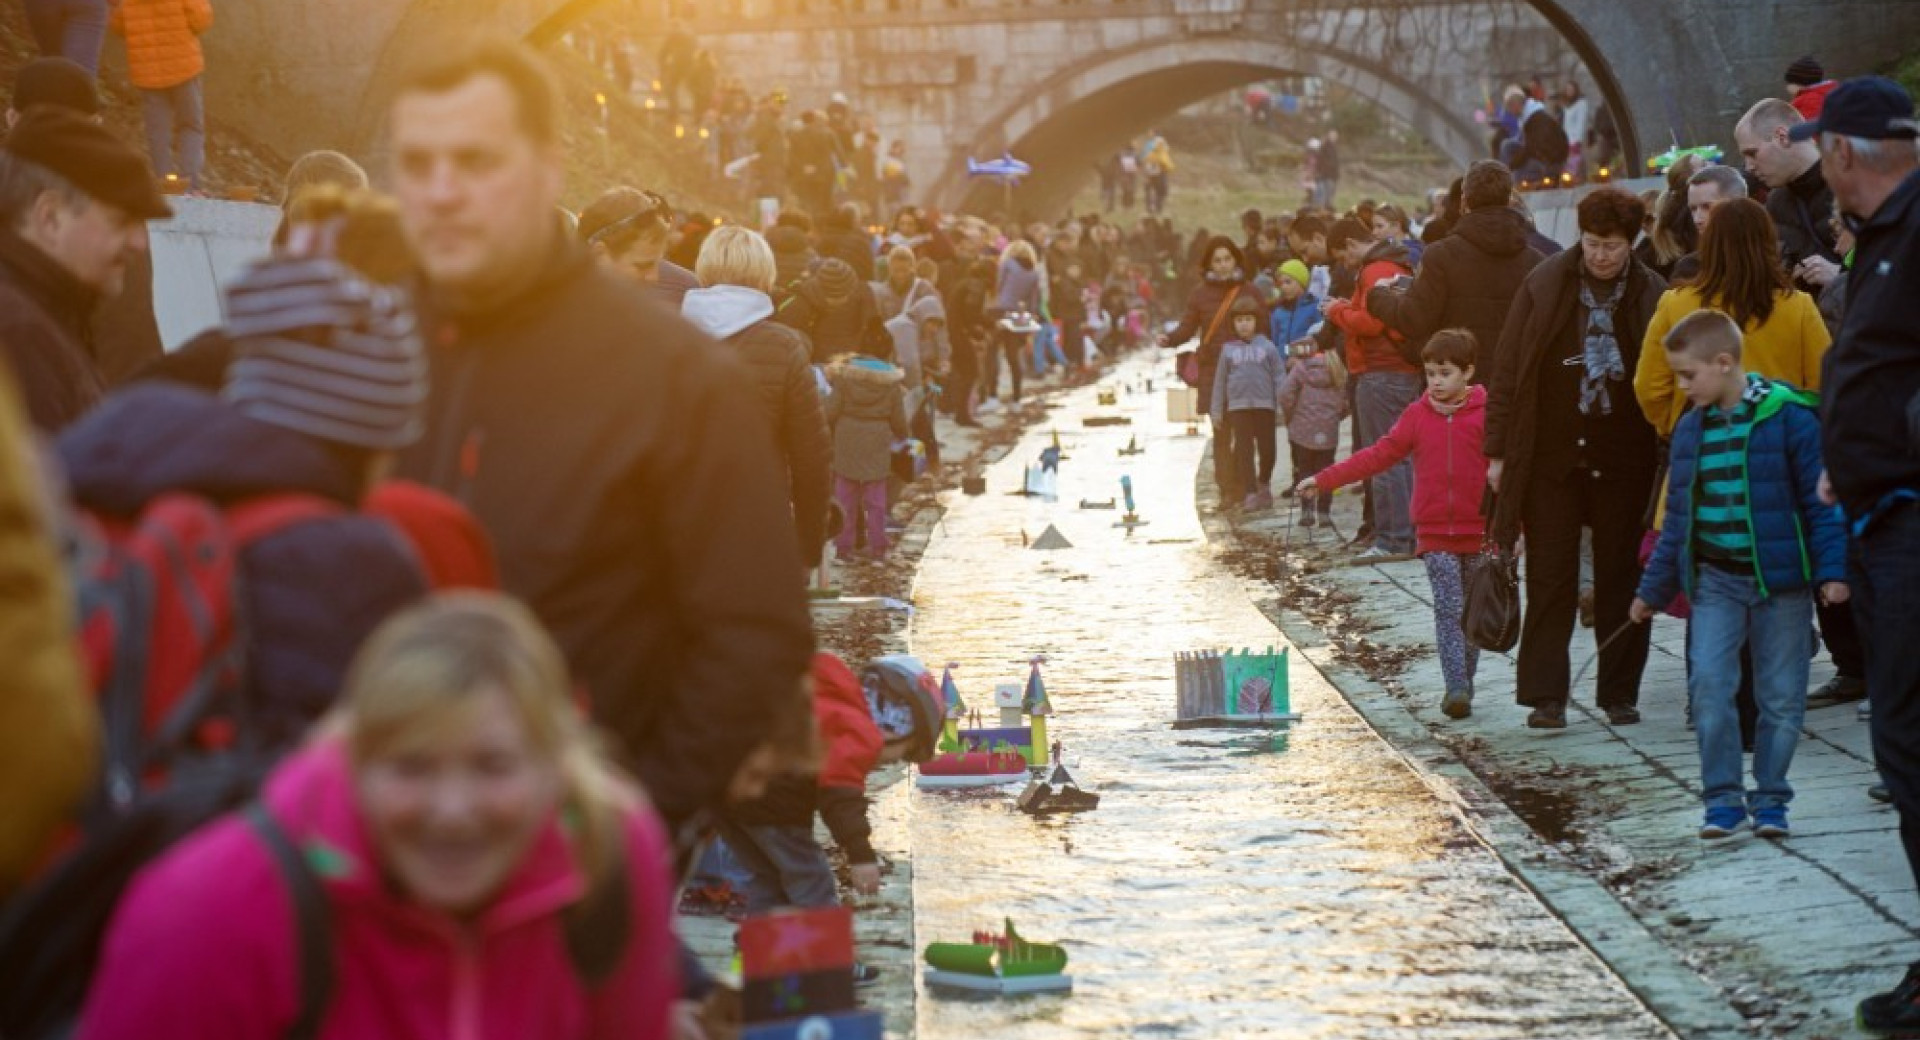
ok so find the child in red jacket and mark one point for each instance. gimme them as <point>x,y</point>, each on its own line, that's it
<point>772,835</point>
<point>1443,432</point>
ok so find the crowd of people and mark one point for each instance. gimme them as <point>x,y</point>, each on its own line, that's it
<point>307,617</point>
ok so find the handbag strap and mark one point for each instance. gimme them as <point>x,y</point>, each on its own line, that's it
<point>1214,325</point>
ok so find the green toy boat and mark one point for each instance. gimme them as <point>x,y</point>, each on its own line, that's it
<point>1003,963</point>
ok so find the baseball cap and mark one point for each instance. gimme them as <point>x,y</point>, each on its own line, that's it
<point>1871,107</point>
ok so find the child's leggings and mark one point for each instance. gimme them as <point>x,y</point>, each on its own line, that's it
<point>1448,573</point>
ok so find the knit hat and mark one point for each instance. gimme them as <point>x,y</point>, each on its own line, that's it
<point>59,82</point>
<point>1805,72</point>
<point>1297,271</point>
<point>837,279</point>
<point>319,350</point>
<point>89,157</point>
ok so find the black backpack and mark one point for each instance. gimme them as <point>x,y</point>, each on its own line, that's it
<point>51,935</point>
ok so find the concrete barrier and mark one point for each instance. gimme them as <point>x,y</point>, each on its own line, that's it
<point>206,244</point>
<point>1555,213</point>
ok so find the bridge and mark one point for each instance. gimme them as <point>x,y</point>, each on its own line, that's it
<point>1062,82</point>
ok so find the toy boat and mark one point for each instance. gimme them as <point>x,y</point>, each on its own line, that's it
<point>1002,964</point>
<point>1056,794</point>
<point>973,769</point>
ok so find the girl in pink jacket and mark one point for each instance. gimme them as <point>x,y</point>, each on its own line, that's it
<point>477,869</point>
<point>1443,431</point>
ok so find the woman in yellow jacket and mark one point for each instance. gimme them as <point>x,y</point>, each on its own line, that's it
<point>1741,274</point>
<point>164,60</point>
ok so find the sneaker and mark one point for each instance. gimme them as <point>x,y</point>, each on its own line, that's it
<point>1548,716</point>
<point>1307,520</point>
<point>865,974</point>
<point>1586,607</point>
<point>1458,704</point>
<point>1771,823</point>
<point>1841,689</point>
<point>1286,492</point>
<point>1879,793</point>
<point>1895,1012</point>
<point>1378,553</point>
<point>1250,504</point>
<point>1622,714</point>
<point>1723,820</point>
<point>1864,710</point>
<point>1265,498</point>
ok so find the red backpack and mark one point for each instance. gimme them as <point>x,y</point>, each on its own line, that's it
<point>162,630</point>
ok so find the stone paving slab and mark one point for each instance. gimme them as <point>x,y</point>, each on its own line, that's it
<point>1738,937</point>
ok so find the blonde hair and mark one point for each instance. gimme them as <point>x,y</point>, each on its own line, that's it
<point>900,258</point>
<point>1337,368</point>
<point>433,659</point>
<point>358,227</point>
<point>735,255</point>
<point>1018,249</point>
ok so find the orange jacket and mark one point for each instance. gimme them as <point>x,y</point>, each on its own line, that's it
<point>163,40</point>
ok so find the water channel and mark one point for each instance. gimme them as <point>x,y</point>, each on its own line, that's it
<point>1303,883</point>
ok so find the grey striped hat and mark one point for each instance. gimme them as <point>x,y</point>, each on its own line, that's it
<point>319,350</point>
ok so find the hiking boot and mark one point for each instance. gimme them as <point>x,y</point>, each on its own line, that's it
<point>1879,793</point>
<point>1622,714</point>
<point>1771,822</point>
<point>1457,704</point>
<point>1548,716</point>
<point>1896,1012</point>
<point>1841,689</point>
<point>1723,820</point>
<point>865,974</point>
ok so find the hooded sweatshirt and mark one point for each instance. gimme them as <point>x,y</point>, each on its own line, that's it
<point>868,414</point>
<point>779,360</point>
<point>205,941</point>
<point>1248,378</point>
<point>1449,469</point>
<point>1312,404</point>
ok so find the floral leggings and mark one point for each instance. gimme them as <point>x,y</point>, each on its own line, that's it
<point>1448,574</point>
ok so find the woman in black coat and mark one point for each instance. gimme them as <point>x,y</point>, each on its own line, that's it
<point>1568,447</point>
<point>1223,279</point>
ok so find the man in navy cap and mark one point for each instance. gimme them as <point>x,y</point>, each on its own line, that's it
<point>1870,419</point>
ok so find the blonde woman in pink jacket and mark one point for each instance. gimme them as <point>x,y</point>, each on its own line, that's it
<point>469,864</point>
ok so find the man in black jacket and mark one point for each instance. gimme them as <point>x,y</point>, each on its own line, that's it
<point>1467,279</point>
<point>1800,200</point>
<point>1868,395</point>
<point>607,446</point>
<point>74,202</point>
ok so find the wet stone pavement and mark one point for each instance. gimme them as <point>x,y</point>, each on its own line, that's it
<point>1301,883</point>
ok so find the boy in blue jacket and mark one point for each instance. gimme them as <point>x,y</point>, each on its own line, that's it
<point>1298,311</point>
<point>1749,540</point>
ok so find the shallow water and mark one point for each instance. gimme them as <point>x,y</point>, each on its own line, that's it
<point>1297,883</point>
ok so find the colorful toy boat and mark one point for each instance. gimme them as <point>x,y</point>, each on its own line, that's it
<point>1056,794</point>
<point>1002,964</point>
<point>973,769</point>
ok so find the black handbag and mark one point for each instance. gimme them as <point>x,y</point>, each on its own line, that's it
<point>1491,619</point>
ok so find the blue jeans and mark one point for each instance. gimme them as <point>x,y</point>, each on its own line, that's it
<point>1378,400</point>
<point>72,29</point>
<point>174,117</point>
<point>1728,612</point>
<point>1046,350</point>
<point>787,865</point>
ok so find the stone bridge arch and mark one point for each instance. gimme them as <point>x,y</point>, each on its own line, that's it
<point>1081,113</point>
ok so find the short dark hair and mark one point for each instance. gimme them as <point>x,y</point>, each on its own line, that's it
<point>1456,347</point>
<point>1487,185</point>
<point>1704,335</point>
<point>536,95</point>
<point>1345,230</point>
<point>1307,225</point>
<point>1610,211</point>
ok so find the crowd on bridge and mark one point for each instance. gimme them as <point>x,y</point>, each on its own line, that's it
<point>307,619</point>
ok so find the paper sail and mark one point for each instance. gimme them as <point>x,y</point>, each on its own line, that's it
<point>956,708</point>
<point>1051,539</point>
<point>1035,702</point>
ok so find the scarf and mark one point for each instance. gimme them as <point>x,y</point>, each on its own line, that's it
<point>1602,350</point>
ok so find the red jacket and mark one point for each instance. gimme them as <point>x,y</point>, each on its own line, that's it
<point>204,943</point>
<point>1449,470</point>
<point>1810,101</point>
<point>1371,345</point>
